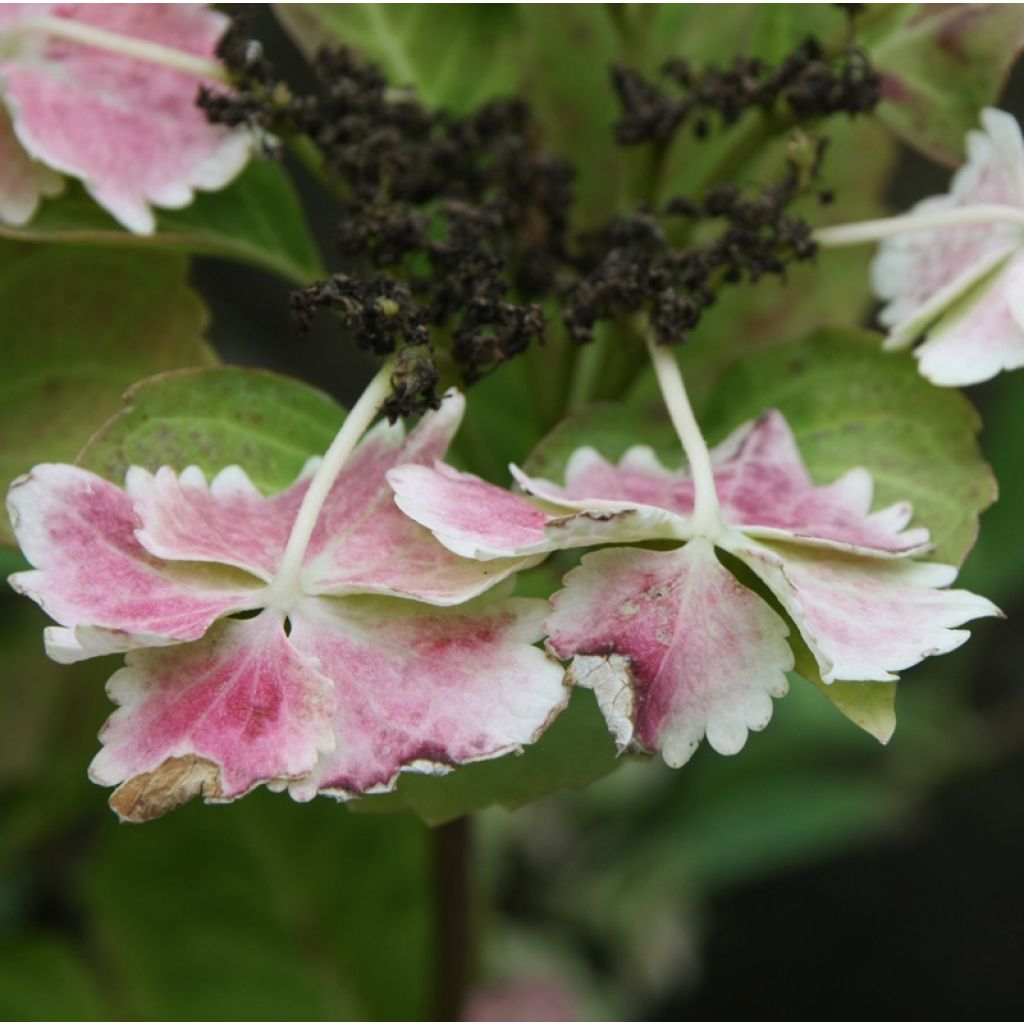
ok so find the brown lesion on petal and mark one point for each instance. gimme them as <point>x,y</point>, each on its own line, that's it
<point>176,781</point>
<point>594,515</point>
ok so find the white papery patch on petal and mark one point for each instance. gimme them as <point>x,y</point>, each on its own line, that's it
<point>674,647</point>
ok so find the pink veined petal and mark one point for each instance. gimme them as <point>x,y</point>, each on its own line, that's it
<point>766,491</point>
<point>93,577</point>
<point>980,335</point>
<point>23,181</point>
<point>919,273</point>
<point>866,619</point>
<point>213,718</point>
<point>391,554</point>
<point>639,479</point>
<point>226,521</point>
<point>364,544</point>
<point>129,129</point>
<point>423,689</point>
<point>674,647</point>
<point>763,486</point>
<point>471,517</point>
<point>478,520</point>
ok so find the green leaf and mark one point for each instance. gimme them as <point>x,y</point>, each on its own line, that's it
<point>941,64</point>
<point>264,910</point>
<point>257,219</point>
<point>991,569</point>
<point>43,978</point>
<point>573,100</point>
<point>851,404</point>
<point>575,750</point>
<point>212,418</point>
<point>79,326</point>
<point>611,428</point>
<point>456,57</point>
<point>869,705</point>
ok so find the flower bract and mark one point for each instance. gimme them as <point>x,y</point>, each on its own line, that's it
<point>127,127</point>
<point>389,655</point>
<point>677,641</point>
<point>961,287</point>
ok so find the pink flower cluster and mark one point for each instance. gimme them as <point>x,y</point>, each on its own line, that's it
<point>401,653</point>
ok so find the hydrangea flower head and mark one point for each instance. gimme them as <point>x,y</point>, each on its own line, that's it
<point>128,127</point>
<point>674,645</point>
<point>961,286</point>
<point>382,655</point>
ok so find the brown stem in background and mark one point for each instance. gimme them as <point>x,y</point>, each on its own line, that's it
<point>453,950</point>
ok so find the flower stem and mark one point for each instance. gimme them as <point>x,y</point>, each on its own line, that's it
<point>126,46</point>
<point>887,227</point>
<point>453,932</point>
<point>284,588</point>
<point>707,514</point>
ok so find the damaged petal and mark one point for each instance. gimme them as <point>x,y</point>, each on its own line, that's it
<point>674,647</point>
<point>175,782</point>
<point>242,700</point>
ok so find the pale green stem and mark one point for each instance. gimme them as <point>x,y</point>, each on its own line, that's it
<point>707,514</point>
<point>887,227</point>
<point>284,590</point>
<point>126,46</point>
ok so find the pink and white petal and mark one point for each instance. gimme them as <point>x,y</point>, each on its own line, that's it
<point>478,520</point>
<point>979,336</point>
<point>763,486</point>
<point>361,493</point>
<point>994,170</point>
<point>129,129</point>
<point>425,690</point>
<point>91,573</point>
<point>674,647</point>
<point>866,619</point>
<point>391,554</point>
<point>920,273</point>
<point>182,518</point>
<point>470,516</point>
<point>591,481</point>
<point>765,490</point>
<point>23,181</point>
<point>213,718</point>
